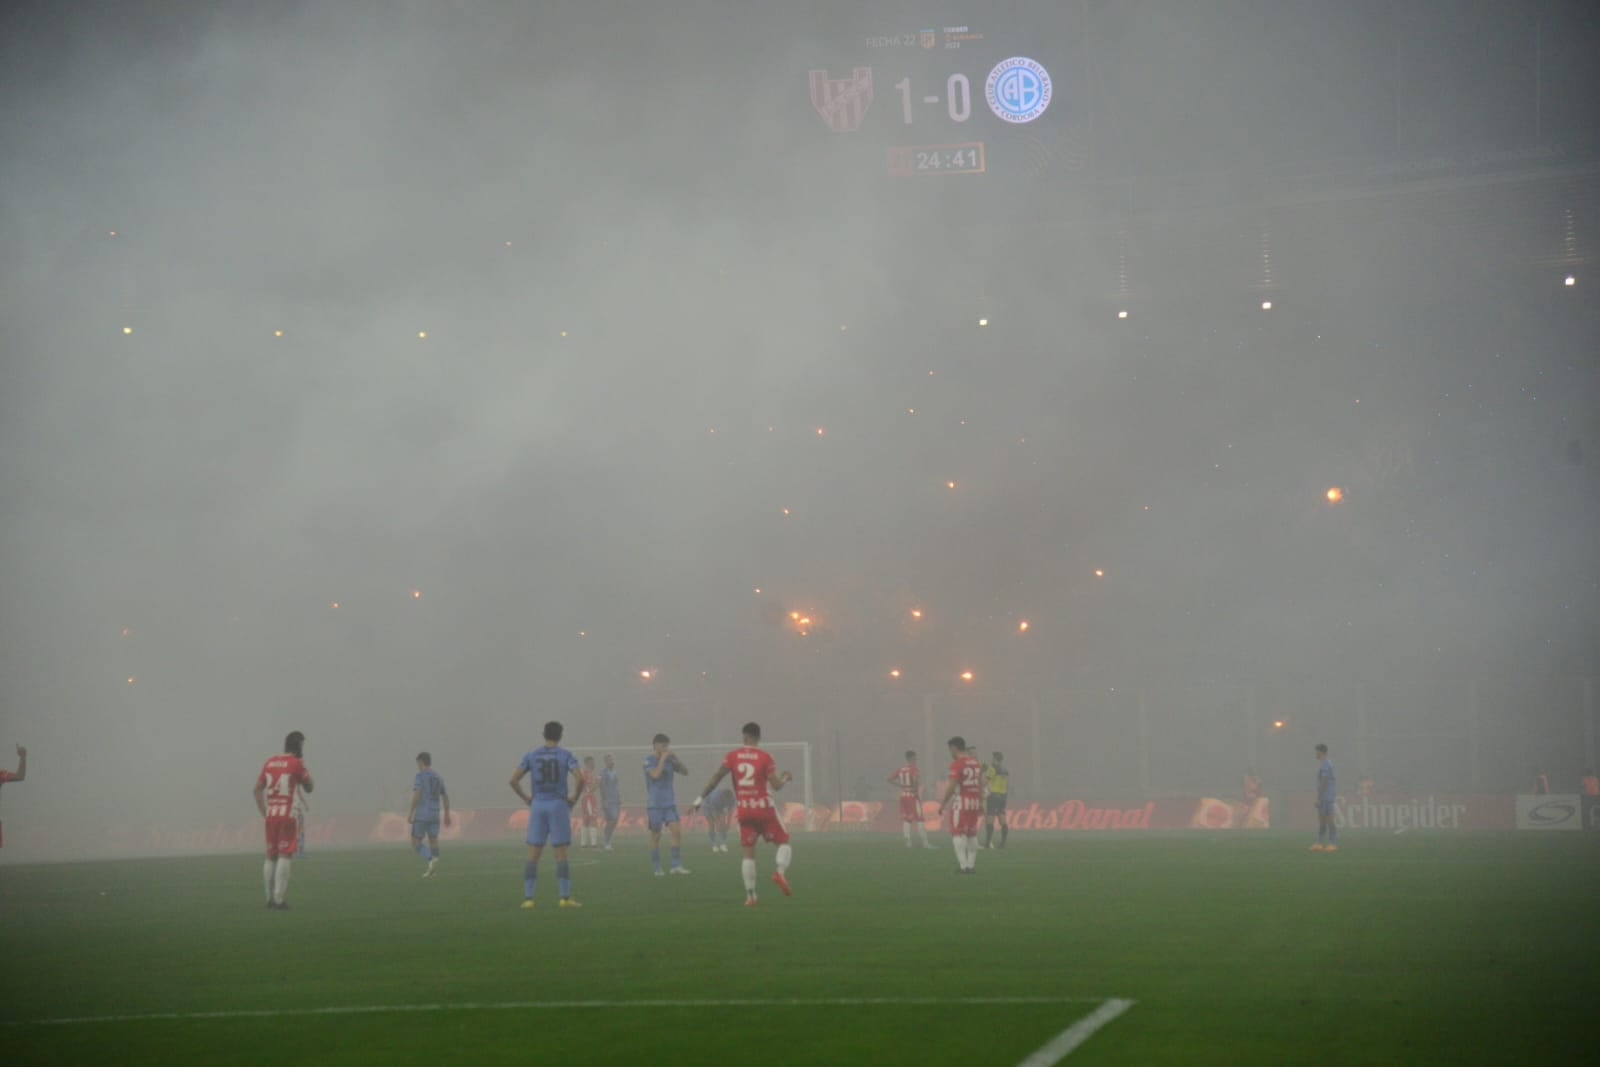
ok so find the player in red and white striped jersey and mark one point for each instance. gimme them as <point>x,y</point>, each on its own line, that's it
<point>279,783</point>
<point>908,776</point>
<point>964,789</point>
<point>18,775</point>
<point>753,771</point>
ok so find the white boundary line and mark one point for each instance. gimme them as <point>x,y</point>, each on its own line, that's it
<point>1060,1047</point>
<point>564,1005</point>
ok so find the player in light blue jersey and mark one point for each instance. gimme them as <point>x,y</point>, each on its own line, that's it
<point>610,798</point>
<point>718,809</point>
<point>661,806</point>
<point>549,810</point>
<point>427,794</point>
<point>1327,792</point>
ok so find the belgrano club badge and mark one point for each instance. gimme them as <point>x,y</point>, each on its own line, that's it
<point>1018,89</point>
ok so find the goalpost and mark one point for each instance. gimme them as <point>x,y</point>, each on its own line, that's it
<point>702,761</point>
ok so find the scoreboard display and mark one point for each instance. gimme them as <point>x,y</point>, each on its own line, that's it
<point>949,100</point>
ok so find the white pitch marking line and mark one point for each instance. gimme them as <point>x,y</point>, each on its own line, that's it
<point>545,1005</point>
<point>1060,1047</point>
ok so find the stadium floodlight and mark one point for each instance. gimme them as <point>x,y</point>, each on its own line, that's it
<point>1122,314</point>
<point>1266,305</point>
<point>1570,280</point>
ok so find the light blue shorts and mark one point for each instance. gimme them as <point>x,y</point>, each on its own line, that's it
<point>549,823</point>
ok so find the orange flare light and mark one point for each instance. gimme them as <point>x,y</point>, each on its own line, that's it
<point>916,613</point>
<point>1022,627</point>
<point>895,673</point>
<point>1335,495</point>
<point>966,676</point>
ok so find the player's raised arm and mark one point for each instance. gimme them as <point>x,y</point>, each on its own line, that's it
<point>677,764</point>
<point>516,783</point>
<point>722,772</point>
<point>22,764</point>
<point>778,779</point>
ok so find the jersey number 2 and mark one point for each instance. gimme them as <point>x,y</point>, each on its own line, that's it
<point>747,775</point>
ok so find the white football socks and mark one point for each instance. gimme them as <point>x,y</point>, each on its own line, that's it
<point>972,853</point>
<point>748,869</point>
<point>959,843</point>
<point>906,827</point>
<point>923,830</point>
<point>280,880</point>
<point>267,869</point>
<point>785,854</point>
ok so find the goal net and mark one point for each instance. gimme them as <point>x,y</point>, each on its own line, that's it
<point>794,801</point>
<point>484,807</point>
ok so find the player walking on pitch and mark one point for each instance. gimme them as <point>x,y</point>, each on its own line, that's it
<point>281,778</point>
<point>549,810</point>
<point>1327,793</point>
<point>589,808</point>
<point>611,794</point>
<point>15,776</point>
<point>427,794</point>
<point>964,788</point>
<point>718,811</point>
<point>909,778</point>
<point>662,802</point>
<point>753,771</point>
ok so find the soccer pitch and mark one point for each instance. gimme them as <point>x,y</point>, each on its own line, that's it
<point>1233,948</point>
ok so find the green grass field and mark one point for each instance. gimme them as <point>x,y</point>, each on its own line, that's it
<point>1235,948</point>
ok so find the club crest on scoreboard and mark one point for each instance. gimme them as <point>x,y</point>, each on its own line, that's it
<point>1018,89</point>
<point>842,102</point>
